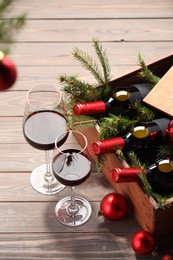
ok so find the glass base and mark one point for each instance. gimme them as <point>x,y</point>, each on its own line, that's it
<point>82,216</point>
<point>40,185</point>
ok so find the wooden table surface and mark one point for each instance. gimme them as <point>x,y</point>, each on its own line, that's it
<point>42,52</point>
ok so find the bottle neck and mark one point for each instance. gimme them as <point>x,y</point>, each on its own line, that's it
<point>132,93</point>
<point>89,108</point>
<point>106,146</point>
<point>153,130</point>
<point>120,175</point>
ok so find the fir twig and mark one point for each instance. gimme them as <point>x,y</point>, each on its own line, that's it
<point>3,6</point>
<point>101,54</point>
<point>145,73</point>
<point>89,64</point>
<point>79,90</point>
<point>144,113</point>
<point>135,162</point>
<point>10,26</point>
<point>164,150</point>
<point>115,125</point>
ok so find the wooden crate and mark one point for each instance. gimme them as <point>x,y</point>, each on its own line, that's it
<point>145,209</point>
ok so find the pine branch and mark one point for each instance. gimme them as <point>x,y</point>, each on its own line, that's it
<point>113,126</point>
<point>9,27</point>
<point>144,113</point>
<point>3,6</point>
<point>145,73</point>
<point>101,54</point>
<point>80,90</point>
<point>164,150</point>
<point>134,161</point>
<point>89,64</point>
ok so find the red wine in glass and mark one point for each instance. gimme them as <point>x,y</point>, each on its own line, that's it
<point>42,127</point>
<point>43,120</point>
<point>70,167</point>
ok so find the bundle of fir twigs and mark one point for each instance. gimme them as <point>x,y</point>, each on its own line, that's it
<point>113,125</point>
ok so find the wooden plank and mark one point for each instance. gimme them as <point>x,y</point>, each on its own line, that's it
<point>85,30</point>
<point>92,9</point>
<point>40,217</point>
<point>16,187</point>
<point>12,103</point>
<point>21,157</point>
<point>61,246</point>
<point>59,54</point>
<point>11,130</point>
<point>29,76</point>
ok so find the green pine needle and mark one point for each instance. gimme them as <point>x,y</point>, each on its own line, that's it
<point>79,90</point>
<point>102,56</point>
<point>145,73</point>
<point>9,27</point>
<point>113,126</point>
<point>144,113</point>
<point>89,64</point>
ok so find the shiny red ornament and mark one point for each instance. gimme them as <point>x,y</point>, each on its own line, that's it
<point>114,206</point>
<point>8,72</point>
<point>143,242</point>
<point>167,257</point>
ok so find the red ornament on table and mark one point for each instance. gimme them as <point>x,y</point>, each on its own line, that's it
<point>167,257</point>
<point>143,242</point>
<point>8,72</point>
<point>113,206</point>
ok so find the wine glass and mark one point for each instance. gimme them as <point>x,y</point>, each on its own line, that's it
<point>71,167</point>
<point>42,122</point>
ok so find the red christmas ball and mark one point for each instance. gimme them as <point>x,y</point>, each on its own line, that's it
<point>8,72</point>
<point>167,257</point>
<point>143,242</point>
<point>113,206</point>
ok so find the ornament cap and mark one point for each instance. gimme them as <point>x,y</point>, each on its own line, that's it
<point>89,108</point>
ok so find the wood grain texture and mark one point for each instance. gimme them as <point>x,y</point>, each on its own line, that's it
<point>42,52</point>
<point>59,54</point>
<point>93,9</point>
<point>140,30</point>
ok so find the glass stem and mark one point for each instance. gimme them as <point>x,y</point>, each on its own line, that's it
<point>73,207</point>
<point>48,175</point>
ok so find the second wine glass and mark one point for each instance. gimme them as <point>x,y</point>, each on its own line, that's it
<point>42,122</point>
<point>71,167</point>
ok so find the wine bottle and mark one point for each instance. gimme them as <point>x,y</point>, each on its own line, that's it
<point>121,101</point>
<point>159,175</point>
<point>142,139</point>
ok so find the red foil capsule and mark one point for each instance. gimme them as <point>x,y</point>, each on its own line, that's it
<point>106,146</point>
<point>120,175</point>
<point>170,131</point>
<point>89,108</point>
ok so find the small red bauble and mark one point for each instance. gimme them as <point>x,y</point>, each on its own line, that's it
<point>167,257</point>
<point>8,72</point>
<point>143,242</point>
<point>113,206</point>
